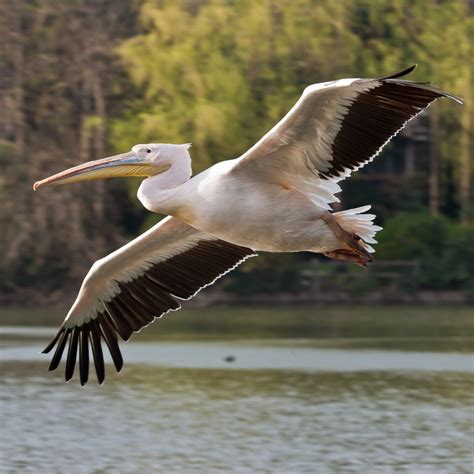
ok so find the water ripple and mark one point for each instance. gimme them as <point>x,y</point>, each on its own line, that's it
<point>180,420</point>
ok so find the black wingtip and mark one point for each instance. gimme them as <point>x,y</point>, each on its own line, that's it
<point>405,72</point>
<point>80,339</point>
<point>53,342</point>
<point>59,350</point>
<point>456,98</point>
<point>424,85</point>
<point>72,355</point>
<point>110,339</point>
<point>84,354</point>
<point>98,356</point>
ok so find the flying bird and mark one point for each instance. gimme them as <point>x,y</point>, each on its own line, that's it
<point>275,198</point>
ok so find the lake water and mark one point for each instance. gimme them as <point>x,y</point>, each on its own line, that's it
<point>281,406</point>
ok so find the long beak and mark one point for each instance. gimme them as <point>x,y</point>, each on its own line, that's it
<point>125,164</point>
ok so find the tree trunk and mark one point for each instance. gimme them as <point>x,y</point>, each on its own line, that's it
<point>465,156</point>
<point>18,90</point>
<point>12,63</point>
<point>434,162</point>
<point>409,170</point>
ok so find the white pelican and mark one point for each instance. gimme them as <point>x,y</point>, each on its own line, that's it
<point>274,198</point>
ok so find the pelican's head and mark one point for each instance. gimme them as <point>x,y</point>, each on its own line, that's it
<point>142,160</point>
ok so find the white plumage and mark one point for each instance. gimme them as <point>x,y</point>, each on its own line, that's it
<point>276,197</point>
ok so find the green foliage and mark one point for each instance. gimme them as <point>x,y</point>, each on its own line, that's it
<point>443,248</point>
<point>436,35</point>
<point>413,236</point>
<point>82,78</point>
<point>274,273</point>
<point>220,74</point>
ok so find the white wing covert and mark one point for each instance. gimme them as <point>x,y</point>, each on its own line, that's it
<point>128,289</point>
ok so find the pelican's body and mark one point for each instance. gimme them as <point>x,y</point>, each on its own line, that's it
<point>241,210</point>
<point>275,198</point>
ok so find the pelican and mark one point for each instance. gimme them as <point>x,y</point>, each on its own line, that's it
<point>274,198</point>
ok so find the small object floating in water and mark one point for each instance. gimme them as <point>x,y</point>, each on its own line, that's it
<point>229,359</point>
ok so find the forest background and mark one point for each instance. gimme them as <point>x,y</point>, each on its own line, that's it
<point>81,80</point>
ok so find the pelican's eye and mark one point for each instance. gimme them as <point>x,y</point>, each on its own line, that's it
<point>148,150</point>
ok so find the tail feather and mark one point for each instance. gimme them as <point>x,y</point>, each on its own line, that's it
<point>356,222</point>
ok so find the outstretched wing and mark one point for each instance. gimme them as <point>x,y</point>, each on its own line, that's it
<point>335,128</point>
<point>137,283</point>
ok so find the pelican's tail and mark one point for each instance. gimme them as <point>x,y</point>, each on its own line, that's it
<point>356,222</point>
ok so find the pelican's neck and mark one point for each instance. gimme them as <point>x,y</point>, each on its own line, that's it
<point>160,193</point>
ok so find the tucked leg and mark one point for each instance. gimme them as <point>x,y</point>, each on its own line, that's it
<point>351,250</point>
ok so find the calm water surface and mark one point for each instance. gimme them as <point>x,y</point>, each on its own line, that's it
<point>280,407</point>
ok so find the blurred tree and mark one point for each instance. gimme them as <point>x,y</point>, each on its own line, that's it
<point>58,63</point>
<point>81,78</point>
<point>438,35</point>
<point>221,74</point>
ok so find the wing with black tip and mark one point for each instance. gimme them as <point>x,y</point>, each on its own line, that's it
<point>335,128</point>
<point>128,289</point>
